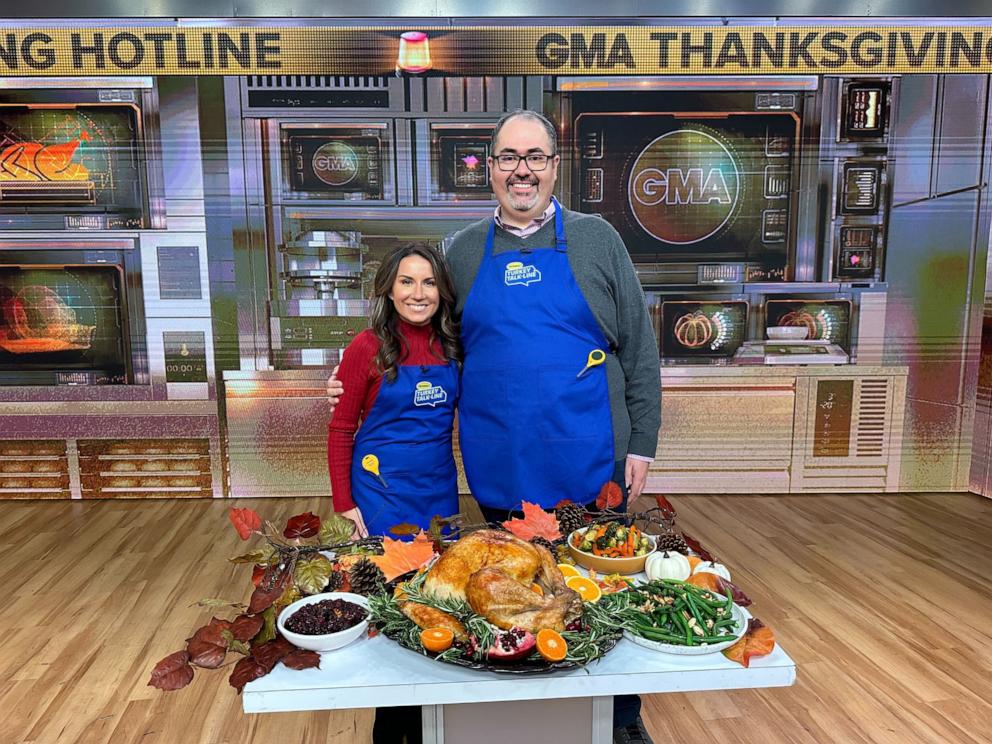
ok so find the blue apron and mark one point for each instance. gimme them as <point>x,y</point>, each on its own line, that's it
<point>409,431</point>
<point>529,427</point>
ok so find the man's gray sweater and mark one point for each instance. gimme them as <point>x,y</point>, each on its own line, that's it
<point>606,277</point>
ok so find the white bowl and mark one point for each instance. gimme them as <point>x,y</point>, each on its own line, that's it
<point>325,641</point>
<point>787,333</point>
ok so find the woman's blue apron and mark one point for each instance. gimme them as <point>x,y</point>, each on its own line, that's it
<point>409,432</point>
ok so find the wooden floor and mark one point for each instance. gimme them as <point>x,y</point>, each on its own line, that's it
<point>884,602</point>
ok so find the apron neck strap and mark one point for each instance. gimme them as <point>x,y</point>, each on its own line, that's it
<point>559,232</point>
<point>559,228</point>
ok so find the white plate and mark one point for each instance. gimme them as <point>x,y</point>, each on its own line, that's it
<point>741,615</point>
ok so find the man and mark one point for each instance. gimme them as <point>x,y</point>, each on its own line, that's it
<point>561,390</point>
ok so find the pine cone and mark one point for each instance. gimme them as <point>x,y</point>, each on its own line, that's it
<point>544,543</point>
<point>570,518</point>
<point>334,582</point>
<point>366,578</point>
<point>673,541</point>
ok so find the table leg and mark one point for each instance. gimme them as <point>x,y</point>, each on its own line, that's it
<point>575,720</point>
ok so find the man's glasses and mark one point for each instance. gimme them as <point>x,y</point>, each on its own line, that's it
<point>536,161</point>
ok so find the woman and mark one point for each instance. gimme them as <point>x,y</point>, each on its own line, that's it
<point>401,383</point>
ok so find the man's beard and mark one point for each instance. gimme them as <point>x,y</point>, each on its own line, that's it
<point>523,203</point>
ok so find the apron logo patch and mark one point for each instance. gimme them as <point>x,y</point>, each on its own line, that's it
<point>427,394</point>
<point>517,273</point>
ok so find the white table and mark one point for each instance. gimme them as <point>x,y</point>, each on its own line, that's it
<point>464,705</point>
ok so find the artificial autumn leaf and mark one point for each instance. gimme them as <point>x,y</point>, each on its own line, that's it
<point>211,632</point>
<point>312,573</point>
<point>336,529</point>
<point>246,627</point>
<point>301,659</point>
<point>302,526</point>
<point>233,644</point>
<point>696,548</point>
<point>759,640</point>
<point>563,502</point>
<point>667,510</point>
<point>245,521</point>
<point>268,631</point>
<point>244,672</point>
<point>269,654</point>
<point>172,673</point>
<point>215,603</point>
<point>435,531</point>
<point>536,523</point>
<point>610,496</point>
<point>257,573</point>
<point>262,598</point>
<point>208,645</point>
<point>404,528</point>
<point>722,585</point>
<point>400,556</point>
<point>258,557</point>
<point>205,654</point>
<point>289,596</point>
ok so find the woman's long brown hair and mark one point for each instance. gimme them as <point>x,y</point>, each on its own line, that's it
<point>383,318</point>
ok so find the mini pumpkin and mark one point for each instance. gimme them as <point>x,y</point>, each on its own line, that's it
<point>714,568</point>
<point>667,564</point>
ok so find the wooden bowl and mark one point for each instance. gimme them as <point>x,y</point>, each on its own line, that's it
<point>602,564</point>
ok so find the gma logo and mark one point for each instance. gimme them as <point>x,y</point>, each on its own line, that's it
<point>681,186</point>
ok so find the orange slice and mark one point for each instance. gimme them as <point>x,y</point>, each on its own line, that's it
<point>551,645</point>
<point>567,570</point>
<point>536,588</point>
<point>437,639</point>
<point>586,588</point>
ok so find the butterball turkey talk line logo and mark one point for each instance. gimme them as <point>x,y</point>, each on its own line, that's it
<point>335,163</point>
<point>684,187</point>
<point>427,394</point>
<point>517,273</point>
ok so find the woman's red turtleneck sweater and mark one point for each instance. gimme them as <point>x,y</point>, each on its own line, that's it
<point>361,382</point>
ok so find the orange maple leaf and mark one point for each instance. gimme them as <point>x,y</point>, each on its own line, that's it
<point>759,640</point>
<point>536,523</point>
<point>401,556</point>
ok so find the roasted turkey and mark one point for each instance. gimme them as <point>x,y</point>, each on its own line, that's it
<point>493,572</point>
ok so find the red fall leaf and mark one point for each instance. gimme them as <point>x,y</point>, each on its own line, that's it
<point>267,655</point>
<point>302,526</point>
<point>244,672</point>
<point>536,523</point>
<point>257,572</point>
<point>262,598</point>
<point>759,640</point>
<point>301,659</point>
<point>246,627</point>
<point>207,647</point>
<point>610,496</point>
<point>667,510</point>
<point>740,598</point>
<point>696,548</point>
<point>172,673</point>
<point>245,521</point>
<point>205,654</point>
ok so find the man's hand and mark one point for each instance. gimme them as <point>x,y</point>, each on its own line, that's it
<point>635,475</point>
<point>355,515</point>
<point>334,389</point>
